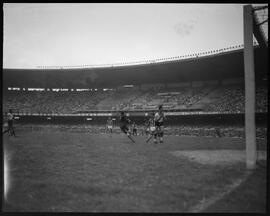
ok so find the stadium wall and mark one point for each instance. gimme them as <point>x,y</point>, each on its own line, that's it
<point>202,119</point>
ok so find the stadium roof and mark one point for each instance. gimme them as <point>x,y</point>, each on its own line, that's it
<point>216,67</point>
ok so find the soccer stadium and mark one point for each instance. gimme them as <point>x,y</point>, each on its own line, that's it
<point>63,158</point>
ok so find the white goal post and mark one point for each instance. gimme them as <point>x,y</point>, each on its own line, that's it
<point>250,125</point>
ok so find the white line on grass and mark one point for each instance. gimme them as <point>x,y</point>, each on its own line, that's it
<point>205,203</point>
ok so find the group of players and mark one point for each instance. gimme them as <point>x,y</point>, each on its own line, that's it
<point>132,126</point>
<point>154,128</point>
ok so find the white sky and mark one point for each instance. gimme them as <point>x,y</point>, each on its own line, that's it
<point>77,34</point>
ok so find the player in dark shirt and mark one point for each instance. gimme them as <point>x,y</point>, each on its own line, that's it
<point>134,129</point>
<point>124,121</point>
<point>218,131</point>
<point>159,119</point>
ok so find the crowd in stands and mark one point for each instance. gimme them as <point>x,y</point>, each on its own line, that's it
<point>173,99</point>
<point>51,102</point>
<point>261,99</point>
<point>118,100</point>
<point>232,99</point>
<point>227,99</point>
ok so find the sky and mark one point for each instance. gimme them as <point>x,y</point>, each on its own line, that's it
<point>50,34</point>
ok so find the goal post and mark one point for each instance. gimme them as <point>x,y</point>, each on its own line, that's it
<point>250,126</point>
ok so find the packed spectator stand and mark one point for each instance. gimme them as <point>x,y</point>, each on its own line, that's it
<point>230,98</point>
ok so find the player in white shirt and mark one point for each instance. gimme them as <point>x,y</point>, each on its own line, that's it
<point>152,129</point>
<point>109,124</point>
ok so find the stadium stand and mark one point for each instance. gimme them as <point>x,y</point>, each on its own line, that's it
<point>232,99</point>
<point>117,100</point>
<point>51,102</point>
<point>228,98</point>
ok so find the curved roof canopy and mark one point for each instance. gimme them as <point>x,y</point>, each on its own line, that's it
<point>215,67</point>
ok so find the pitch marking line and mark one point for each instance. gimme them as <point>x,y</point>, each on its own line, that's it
<point>205,203</point>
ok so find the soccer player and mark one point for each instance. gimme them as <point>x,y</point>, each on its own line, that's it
<point>134,129</point>
<point>124,121</point>
<point>159,119</point>
<point>109,124</point>
<point>10,129</point>
<point>218,131</point>
<point>146,127</point>
<point>152,129</point>
<point>5,124</point>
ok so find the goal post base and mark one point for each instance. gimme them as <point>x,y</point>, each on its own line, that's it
<point>250,164</point>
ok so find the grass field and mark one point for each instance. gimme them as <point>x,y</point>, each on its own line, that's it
<point>79,172</point>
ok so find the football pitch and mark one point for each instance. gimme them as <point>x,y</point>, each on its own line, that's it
<point>49,171</point>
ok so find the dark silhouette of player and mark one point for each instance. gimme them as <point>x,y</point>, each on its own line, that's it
<point>124,122</point>
<point>10,128</point>
<point>134,129</point>
<point>218,131</point>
